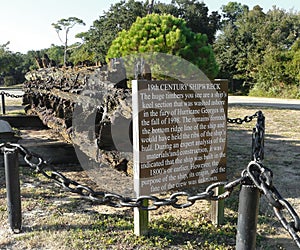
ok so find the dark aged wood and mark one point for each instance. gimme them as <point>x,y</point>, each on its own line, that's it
<point>98,96</point>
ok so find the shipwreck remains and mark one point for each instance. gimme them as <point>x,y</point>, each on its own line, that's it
<point>96,99</point>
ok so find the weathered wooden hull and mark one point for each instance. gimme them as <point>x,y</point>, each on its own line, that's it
<point>88,107</point>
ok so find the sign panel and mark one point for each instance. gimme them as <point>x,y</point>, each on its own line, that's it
<point>179,134</point>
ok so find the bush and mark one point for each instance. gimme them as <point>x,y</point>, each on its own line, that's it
<point>9,81</point>
<point>165,34</point>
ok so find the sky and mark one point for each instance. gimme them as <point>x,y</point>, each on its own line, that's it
<point>26,24</point>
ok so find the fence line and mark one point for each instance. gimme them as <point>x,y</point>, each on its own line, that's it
<point>255,177</point>
<point>3,94</point>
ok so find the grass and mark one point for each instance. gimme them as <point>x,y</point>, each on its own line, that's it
<point>13,106</point>
<point>285,91</point>
<point>55,219</point>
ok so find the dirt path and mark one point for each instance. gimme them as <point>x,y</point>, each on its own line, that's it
<point>264,102</point>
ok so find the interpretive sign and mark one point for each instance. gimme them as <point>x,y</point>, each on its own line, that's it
<point>179,134</point>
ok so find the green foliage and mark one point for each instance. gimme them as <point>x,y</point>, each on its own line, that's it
<point>293,67</point>
<point>104,30</point>
<point>12,66</point>
<point>165,34</point>
<point>122,15</point>
<point>195,14</point>
<point>55,53</point>
<point>9,81</point>
<point>66,25</point>
<point>7,60</point>
<point>81,54</point>
<point>29,61</point>
<point>257,47</point>
<point>232,11</point>
<point>279,74</point>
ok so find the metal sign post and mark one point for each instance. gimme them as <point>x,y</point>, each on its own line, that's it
<point>141,220</point>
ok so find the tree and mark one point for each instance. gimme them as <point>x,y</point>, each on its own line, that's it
<point>13,66</point>
<point>6,59</point>
<point>256,47</point>
<point>66,25</point>
<point>82,54</point>
<point>55,53</point>
<point>195,14</point>
<point>232,11</point>
<point>123,14</point>
<point>165,34</point>
<point>104,30</point>
<point>230,45</point>
<point>293,67</point>
<point>29,61</point>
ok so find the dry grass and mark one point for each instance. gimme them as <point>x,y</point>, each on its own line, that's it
<point>54,219</point>
<point>13,106</point>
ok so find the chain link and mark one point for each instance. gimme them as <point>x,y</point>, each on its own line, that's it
<point>246,119</point>
<point>38,164</point>
<point>257,134</point>
<point>260,176</point>
<point>10,95</point>
<point>258,138</point>
<point>262,179</point>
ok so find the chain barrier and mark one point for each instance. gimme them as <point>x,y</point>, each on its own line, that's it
<point>3,94</point>
<point>257,134</point>
<point>39,165</point>
<point>245,119</point>
<point>10,95</point>
<point>261,177</point>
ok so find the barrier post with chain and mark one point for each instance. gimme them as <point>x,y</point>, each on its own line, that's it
<point>11,163</point>
<point>255,180</point>
<point>249,194</point>
<point>247,216</point>
<point>3,103</point>
<point>3,94</point>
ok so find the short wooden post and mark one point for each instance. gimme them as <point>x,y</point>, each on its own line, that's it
<point>217,208</point>
<point>141,220</point>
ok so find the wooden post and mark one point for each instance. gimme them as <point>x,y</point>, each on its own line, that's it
<point>217,208</point>
<point>141,219</point>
